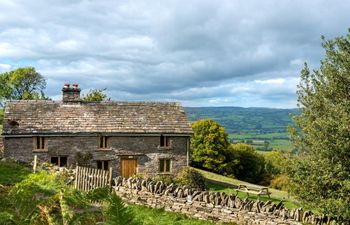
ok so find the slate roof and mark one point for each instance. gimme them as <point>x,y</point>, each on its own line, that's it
<point>56,117</point>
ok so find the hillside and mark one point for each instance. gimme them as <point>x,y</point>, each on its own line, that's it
<point>265,128</point>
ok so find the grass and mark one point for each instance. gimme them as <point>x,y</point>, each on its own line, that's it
<point>26,191</point>
<point>149,216</point>
<point>278,141</point>
<point>216,182</point>
<point>11,173</point>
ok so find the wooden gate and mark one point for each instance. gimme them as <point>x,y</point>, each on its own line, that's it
<point>128,167</point>
<point>87,178</point>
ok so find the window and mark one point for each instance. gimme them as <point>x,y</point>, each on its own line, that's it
<point>103,142</point>
<point>164,141</point>
<point>40,143</point>
<point>164,165</point>
<point>102,164</point>
<point>60,161</point>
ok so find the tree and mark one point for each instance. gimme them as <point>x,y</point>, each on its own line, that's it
<point>22,84</point>
<point>275,162</point>
<point>96,95</point>
<point>275,170</point>
<point>208,145</point>
<point>245,163</point>
<point>321,173</point>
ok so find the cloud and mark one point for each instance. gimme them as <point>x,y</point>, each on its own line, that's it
<point>199,52</point>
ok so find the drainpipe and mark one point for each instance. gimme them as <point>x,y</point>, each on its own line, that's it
<point>188,151</point>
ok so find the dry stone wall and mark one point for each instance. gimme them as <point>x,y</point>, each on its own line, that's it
<point>214,206</point>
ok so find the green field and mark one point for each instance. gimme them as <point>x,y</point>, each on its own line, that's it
<point>264,128</point>
<point>276,141</point>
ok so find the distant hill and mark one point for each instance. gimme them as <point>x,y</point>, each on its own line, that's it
<point>245,120</point>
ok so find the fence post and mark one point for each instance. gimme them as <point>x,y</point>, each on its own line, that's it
<point>76,176</point>
<point>35,163</point>
<point>110,178</point>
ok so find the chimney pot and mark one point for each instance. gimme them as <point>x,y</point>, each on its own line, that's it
<point>71,94</point>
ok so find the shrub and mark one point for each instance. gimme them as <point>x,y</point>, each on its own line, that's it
<point>245,163</point>
<point>166,179</point>
<point>280,182</point>
<point>191,177</point>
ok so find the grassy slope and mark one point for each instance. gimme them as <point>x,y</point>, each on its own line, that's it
<point>148,216</point>
<point>12,173</point>
<point>222,183</point>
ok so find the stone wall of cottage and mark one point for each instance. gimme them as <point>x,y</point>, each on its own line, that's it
<point>145,149</point>
<point>214,206</point>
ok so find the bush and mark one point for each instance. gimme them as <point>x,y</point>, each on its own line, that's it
<point>191,177</point>
<point>245,163</point>
<point>166,179</point>
<point>280,182</point>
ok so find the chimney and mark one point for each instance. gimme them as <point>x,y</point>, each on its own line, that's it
<point>71,94</point>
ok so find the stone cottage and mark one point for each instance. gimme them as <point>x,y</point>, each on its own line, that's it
<point>148,138</point>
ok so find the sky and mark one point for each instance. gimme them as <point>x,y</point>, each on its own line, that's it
<point>198,52</point>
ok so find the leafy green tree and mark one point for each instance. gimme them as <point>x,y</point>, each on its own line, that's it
<point>245,163</point>
<point>208,145</point>
<point>275,170</point>
<point>22,84</point>
<point>96,95</point>
<point>275,162</point>
<point>321,173</point>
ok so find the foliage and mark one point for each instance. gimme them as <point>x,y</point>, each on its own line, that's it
<point>44,198</point>
<point>22,201</point>
<point>22,83</point>
<point>116,213</point>
<point>275,170</point>
<point>11,173</point>
<point>96,95</point>
<point>191,177</point>
<point>245,163</point>
<point>275,162</point>
<point>321,173</point>
<point>208,145</point>
<point>250,125</point>
<point>166,179</point>
<point>280,182</point>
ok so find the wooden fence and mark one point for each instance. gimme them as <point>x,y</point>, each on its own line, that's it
<point>87,178</point>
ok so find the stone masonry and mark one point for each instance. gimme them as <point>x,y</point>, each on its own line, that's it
<point>214,206</point>
<point>145,150</point>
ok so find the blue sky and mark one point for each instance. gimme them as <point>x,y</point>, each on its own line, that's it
<point>199,52</point>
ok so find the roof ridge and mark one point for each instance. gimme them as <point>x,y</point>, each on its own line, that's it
<point>113,101</point>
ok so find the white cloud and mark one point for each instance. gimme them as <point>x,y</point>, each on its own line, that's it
<point>271,81</point>
<point>200,52</point>
<point>5,66</point>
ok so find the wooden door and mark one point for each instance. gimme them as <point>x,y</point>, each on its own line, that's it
<point>128,167</point>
